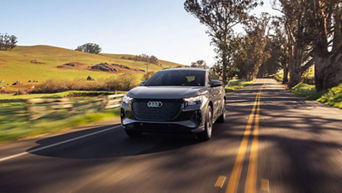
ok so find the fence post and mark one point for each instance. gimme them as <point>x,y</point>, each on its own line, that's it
<point>105,102</point>
<point>29,110</point>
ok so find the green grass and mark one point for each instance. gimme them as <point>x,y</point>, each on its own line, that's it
<point>332,97</point>
<point>15,123</point>
<point>15,65</point>
<point>237,84</point>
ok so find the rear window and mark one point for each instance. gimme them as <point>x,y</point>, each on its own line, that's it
<point>177,78</point>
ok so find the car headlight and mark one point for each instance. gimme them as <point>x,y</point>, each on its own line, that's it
<point>197,100</point>
<point>126,99</point>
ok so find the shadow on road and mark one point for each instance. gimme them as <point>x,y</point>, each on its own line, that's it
<point>113,143</point>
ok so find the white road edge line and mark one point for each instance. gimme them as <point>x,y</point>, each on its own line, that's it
<point>58,143</point>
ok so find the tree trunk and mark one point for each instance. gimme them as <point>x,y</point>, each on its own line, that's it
<point>295,67</point>
<point>328,71</point>
<point>224,68</point>
<point>285,74</point>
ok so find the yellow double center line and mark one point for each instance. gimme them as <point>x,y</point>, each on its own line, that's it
<point>250,186</point>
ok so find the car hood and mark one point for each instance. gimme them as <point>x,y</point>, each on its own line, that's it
<point>165,92</point>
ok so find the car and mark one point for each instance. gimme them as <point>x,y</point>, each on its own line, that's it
<point>176,100</point>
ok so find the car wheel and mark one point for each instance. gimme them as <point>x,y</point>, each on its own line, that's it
<point>208,126</point>
<point>222,118</point>
<point>132,133</point>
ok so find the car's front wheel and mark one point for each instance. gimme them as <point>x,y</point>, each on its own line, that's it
<point>208,126</point>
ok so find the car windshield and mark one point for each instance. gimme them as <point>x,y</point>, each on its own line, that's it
<point>177,78</point>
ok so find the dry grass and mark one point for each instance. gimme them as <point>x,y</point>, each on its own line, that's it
<point>122,82</point>
<point>17,65</point>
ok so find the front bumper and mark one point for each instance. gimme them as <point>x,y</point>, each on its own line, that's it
<point>187,121</point>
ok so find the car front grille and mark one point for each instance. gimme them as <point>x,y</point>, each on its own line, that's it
<point>167,112</point>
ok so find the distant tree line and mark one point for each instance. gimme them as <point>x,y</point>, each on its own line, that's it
<point>90,48</point>
<point>199,64</point>
<point>7,41</point>
<point>143,58</point>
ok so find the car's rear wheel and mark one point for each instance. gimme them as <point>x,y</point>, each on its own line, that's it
<point>133,133</point>
<point>208,126</point>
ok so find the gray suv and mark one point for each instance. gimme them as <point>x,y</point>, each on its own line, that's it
<point>185,100</point>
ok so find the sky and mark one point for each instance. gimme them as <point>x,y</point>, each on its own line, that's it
<point>154,27</point>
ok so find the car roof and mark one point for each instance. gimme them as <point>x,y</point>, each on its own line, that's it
<point>184,69</point>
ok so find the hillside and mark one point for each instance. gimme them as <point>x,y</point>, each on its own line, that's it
<point>40,63</point>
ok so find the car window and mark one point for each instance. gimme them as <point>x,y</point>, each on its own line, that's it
<point>177,78</point>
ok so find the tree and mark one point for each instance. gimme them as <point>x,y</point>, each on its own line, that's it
<point>324,26</point>
<point>7,42</point>
<point>299,48</point>
<point>280,47</point>
<point>314,32</point>
<point>90,48</point>
<point>13,41</point>
<point>220,16</point>
<point>199,64</point>
<point>249,51</point>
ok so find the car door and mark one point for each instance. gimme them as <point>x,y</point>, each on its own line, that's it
<point>216,93</point>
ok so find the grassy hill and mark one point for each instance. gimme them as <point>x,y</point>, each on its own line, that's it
<point>25,63</point>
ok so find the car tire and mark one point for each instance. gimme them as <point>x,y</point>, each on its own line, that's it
<point>222,118</point>
<point>132,133</point>
<point>208,126</point>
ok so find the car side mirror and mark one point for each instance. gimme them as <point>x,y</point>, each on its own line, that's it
<point>215,83</point>
<point>142,83</point>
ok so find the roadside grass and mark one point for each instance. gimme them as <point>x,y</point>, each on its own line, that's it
<point>15,123</point>
<point>237,84</point>
<point>332,97</point>
<point>307,91</point>
<point>7,97</point>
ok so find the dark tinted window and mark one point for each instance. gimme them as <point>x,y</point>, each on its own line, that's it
<point>177,78</point>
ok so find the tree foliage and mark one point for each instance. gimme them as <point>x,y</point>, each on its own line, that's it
<point>7,41</point>
<point>143,58</point>
<point>199,64</point>
<point>220,16</point>
<point>251,51</point>
<point>90,48</point>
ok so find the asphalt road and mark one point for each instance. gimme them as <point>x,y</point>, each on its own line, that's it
<point>272,141</point>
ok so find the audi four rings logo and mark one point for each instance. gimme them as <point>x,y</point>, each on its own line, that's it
<point>154,104</point>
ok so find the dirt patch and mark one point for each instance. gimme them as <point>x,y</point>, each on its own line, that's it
<point>114,68</point>
<point>2,60</point>
<point>36,62</point>
<point>71,65</point>
<point>128,68</point>
<point>104,67</point>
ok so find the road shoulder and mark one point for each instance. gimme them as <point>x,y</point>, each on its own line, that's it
<point>16,147</point>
